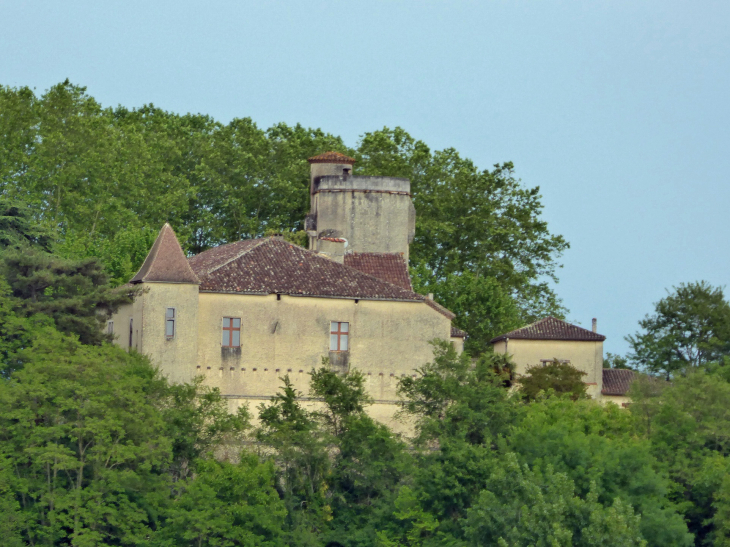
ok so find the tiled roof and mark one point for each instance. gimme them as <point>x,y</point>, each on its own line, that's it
<point>617,381</point>
<point>458,333</point>
<point>166,262</point>
<point>390,267</point>
<point>551,328</point>
<point>268,266</point>
<point>214,258</point>
<point>333,239</point>
<point>331,157</point>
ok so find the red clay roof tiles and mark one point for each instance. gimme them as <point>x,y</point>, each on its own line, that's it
<point>331,157</point>
<point>617,381</point>
<point>390,267</point>
<point>166,262</point>
<point>551,328</point>
<point>268,266</point>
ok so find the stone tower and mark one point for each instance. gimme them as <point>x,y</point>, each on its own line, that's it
<point>355,214</point>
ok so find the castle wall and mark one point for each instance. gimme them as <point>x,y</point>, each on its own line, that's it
<point>177,355</point>
<point>291,336</point>
<point>585,356</point>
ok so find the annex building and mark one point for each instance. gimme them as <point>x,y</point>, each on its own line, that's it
<point>549,339</point>
<point>244,314</point>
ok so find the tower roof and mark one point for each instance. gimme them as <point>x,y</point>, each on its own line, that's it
<point>331,157</point>
<point>166,262</point>
<point>552,328</point>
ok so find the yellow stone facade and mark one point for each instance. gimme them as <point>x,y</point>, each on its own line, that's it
<point>585,356</point>
<point>279,335</point>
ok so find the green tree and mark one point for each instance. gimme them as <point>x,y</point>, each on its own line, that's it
<point>520,507</point>
<point>688,424</point>
<point>19,230</point>
<point>470,220</point>
<point>299,452</point>
<point>612,360</point>
<point>690,328</point>
<point>344,397</point>
<point>74,293</point>
<point>597,448</point>
<point>88,450</point>
<point>225,505</point>
<point>557,377</point>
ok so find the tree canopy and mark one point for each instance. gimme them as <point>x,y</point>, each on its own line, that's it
<point>100,182</point>
<point>689,329</point>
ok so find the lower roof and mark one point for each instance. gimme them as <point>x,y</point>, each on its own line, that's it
<point>551,328</point>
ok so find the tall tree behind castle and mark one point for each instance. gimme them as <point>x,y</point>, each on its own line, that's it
<point>103,180</point>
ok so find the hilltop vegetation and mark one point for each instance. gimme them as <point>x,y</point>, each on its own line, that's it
<point>102,182</point>
<point>96,448</point>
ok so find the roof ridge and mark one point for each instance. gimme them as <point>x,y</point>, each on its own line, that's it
<point>261,241</point>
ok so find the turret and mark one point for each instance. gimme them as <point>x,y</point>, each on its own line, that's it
<point>370,214</point>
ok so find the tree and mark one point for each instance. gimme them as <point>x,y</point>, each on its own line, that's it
<point>225,504</point>
<point>560,378</point>
<point>690,328</point>
<point>539,507</point>
<point>19,230</point>
<point>597,448</point>
<point>87,446</point>
<point>470,220</point>
<point>344,396</point>
<point>611,360</point>
<point>300,454</point>
<point>74,293</point>
<point>688,424</point>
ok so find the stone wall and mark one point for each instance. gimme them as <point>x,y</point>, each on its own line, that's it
<point>585,356</point>
<point>374,214</point>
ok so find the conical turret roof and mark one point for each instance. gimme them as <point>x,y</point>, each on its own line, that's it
<point>166,262</point>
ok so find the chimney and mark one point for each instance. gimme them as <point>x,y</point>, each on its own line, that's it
<point>333,248</point>
<point>595,325</point>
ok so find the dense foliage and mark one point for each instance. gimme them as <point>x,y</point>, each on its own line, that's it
<point>96,448</point>
<point>689,329</point>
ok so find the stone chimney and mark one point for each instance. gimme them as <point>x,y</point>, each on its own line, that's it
<point>333,248</point>
<point>595,325</point>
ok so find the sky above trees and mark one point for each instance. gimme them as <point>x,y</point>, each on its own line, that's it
<point>617,110</point>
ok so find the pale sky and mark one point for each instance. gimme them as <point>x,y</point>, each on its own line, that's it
<point>617,109</point>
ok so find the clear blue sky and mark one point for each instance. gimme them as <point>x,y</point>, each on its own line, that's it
<point>618,110</point>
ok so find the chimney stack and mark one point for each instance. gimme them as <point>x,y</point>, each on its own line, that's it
<point>595,325</point>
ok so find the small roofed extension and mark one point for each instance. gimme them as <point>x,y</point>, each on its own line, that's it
<point>245,314</point>
<point>548,339</point>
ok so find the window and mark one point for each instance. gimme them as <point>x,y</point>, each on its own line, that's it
<point>170,323</point>
<point>131,326</point>
<point>339,335</point>
<point>550,361</point>
<point>110,327</point>
<point>231,332</point>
